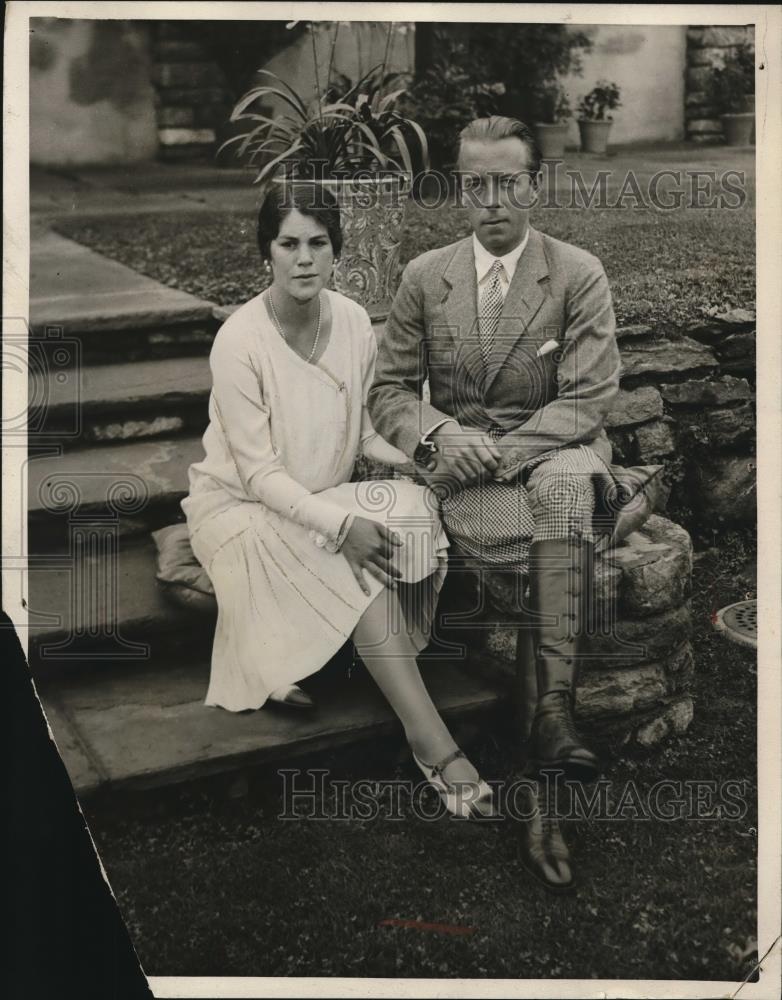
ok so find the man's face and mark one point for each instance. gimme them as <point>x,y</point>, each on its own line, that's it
<point>497,192</point>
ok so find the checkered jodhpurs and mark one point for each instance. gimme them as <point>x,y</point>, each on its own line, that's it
<point>497,522</point>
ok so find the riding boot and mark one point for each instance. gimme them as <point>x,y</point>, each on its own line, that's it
<point>544,852</point>
<point>526,684</point>
<point>561,574</point>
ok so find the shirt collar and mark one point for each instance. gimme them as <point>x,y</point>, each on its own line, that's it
<point>484,260</point>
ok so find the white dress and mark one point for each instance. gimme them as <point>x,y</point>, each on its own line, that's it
<point>273,491</point>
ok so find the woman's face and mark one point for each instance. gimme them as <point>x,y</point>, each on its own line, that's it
<point>302,256</point>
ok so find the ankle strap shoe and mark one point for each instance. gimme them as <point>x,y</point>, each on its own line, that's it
<point>461,798</point>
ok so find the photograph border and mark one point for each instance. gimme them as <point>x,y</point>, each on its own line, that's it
<point>768,24</point>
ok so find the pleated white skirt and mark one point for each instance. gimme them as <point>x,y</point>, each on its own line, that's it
<point>286,605</point>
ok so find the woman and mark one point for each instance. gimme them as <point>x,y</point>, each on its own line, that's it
<point>301,559</point>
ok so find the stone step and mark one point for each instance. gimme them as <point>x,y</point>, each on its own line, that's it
<point>105,607</point>
<point>175,335</point>
<point>87,309</point>
<point>81,405</point>
<point>125,401</point>
<point>136,485</point>
<point>150,727</point>
<point>104,604</point>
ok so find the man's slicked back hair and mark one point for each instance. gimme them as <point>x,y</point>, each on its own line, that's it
<point>498,127</point>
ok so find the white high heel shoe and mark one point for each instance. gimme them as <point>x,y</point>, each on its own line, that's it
<point>459,798</point>
<point>291,696</point>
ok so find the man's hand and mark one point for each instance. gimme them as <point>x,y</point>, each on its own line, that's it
<point>370,546</point>
<point>463,456</point>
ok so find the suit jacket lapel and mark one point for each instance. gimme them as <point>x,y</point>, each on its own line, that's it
<point>460,302</point>
<point>524,299</point>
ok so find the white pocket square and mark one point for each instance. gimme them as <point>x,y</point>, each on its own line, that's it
<point>547,348</point>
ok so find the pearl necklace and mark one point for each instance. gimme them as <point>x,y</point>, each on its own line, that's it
<point>282,332</point>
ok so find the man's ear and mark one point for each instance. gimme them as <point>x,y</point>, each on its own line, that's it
<point>537,184</point>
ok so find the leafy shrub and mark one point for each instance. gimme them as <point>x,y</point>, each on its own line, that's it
<point>523,57</point>
<point>552,104</point>
<point>732,85</point>
<point>473,70</point>
<point>447,95</point>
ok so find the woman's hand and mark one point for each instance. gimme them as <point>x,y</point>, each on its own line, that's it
<point>370,546</point>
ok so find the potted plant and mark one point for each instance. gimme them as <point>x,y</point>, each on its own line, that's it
<point>553,109</point>
<point>352,138</point>
<point>594,121</point>
<point>732,93</point>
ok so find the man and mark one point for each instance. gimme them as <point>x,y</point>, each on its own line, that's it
<point>515,332</point>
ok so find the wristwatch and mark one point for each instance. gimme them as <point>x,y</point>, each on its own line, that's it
<point>424,455</point>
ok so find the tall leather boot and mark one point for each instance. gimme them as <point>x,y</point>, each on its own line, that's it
<point>525,691</point>
<point>544,852</point>
<point>561,574</point>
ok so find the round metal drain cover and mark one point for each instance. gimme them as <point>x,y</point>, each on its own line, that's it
<point>739,623</point>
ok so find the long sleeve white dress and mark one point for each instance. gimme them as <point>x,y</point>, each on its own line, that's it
<point>268,501</point>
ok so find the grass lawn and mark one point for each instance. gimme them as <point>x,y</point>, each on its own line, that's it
<point>215,885</point>
<point>665,267</point>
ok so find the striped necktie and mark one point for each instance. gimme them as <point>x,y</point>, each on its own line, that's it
<point>490,311</point>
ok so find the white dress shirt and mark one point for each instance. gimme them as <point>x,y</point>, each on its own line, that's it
<point>484,261</point>
<point>483,265</point>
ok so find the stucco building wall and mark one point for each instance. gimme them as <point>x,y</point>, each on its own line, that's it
<point>648,63</point>
<point>359,48</point>
<point>93,83</point>
<point>91,95</point>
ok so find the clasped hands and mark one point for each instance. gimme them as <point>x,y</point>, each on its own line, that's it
<point>464,457</point>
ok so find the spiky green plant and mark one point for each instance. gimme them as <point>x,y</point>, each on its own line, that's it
<point>332,136</point>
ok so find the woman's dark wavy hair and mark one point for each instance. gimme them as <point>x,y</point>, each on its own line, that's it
<point>309,199</point>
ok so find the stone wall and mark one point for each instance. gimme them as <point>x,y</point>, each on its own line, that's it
<point>707,47</point>
<point>635,679</point>
<point>689,404</point>
<point>192,98</point>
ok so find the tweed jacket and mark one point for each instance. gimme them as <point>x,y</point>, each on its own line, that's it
<point>553,372</point>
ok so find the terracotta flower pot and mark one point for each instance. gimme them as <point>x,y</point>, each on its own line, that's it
<point>737,128</point>
<point>594,135</point>
<point>551,139</point>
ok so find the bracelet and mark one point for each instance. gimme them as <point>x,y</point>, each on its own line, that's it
<point>336,544</point>
<point>345,527</point>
